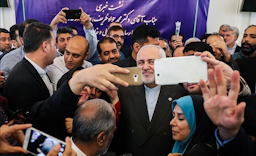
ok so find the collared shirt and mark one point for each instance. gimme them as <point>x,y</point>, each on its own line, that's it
<point>1,53</point>
<point>10,60</point>
<point>151,99</point>
<point>43,75</point>
<point>76,149</point>
<point>232,50</point>
<point>58,69</point>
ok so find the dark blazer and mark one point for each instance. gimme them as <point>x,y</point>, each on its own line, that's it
<point>247,67</point>
<point>127,62</point>
<point>26,90</point>
<point>238,48</point>
<point>136,134</point>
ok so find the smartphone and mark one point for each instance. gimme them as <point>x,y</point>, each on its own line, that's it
<point>72,14</point>
<point>134,78</point>
<point>175,70</point>
<point>39,143</point>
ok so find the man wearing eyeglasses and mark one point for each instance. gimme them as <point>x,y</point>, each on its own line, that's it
<point>176,42</point>
<point>117,33</point>
<point>5,40</point>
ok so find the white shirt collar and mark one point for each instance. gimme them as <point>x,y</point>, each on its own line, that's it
<point>40,70</point>
<point>76,149</point>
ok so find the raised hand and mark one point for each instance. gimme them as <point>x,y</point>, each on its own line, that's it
<point>68,150</point>
<point>59,18</point>
<point>212,62</point>
<point>99,76</point>
<point>14,132</point>
<point>85,19</point>
<point>221,108</point>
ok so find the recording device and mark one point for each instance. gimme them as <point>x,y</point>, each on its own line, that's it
<point>175,70</point>
<point>177,30</point>
<point>72,14</point>
<point>134,78</point>
<point>39,143</point>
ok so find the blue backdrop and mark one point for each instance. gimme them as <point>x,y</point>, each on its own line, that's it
<point>131,13</point>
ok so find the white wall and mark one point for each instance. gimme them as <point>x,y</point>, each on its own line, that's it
<point>220,12</point>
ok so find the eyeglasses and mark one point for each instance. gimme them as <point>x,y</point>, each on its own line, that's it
<point>176,41</point>
<point>115,36</point>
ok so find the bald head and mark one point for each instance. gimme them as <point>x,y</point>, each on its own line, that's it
<point>76,52</point>
<point>178,52</point>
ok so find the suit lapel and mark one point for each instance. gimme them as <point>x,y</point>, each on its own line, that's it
<point>34,72</point>
<point>163,106</point>
<point>139,102</point>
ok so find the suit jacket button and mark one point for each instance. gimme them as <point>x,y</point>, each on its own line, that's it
<point>170,99</point>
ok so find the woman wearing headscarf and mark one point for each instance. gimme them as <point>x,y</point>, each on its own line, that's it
<point>191,127</point>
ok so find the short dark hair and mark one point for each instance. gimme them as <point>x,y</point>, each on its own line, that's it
<point>115,28</point>
<point>22,25</point>
<point>180,34</point>
<point>63,30</point>
<point>35,34</point>
<point>87,126</point>
<point>250,26</point>
<point>12,31</point>
<point>205,36</point>
<point>104,40</point>
<point>72,27</point>
<point>198,46</point>
<point>142,32</point>
<point>3,30</point>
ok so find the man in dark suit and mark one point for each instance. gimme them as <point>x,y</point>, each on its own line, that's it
<point>29,88</point>
<point>142,35</point>
<point>144,127</point>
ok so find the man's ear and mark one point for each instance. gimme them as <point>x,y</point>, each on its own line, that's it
<point>102,139</point>
<point>86,55</point>
<point>236,37</point>
<point>136,47</point>
<point>99,56</point>
<point>44,46</point>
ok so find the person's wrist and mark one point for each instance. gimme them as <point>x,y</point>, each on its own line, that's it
<point>226,134</point>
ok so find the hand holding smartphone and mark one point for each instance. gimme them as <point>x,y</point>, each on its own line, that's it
<point>73,14</point>
<point>39,143</point>
<point>134,78</point>
<point>175,70</point>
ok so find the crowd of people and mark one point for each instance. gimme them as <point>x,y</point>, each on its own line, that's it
<point>63,84</point>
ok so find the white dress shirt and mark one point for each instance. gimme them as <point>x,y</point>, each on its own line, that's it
<point>43,75</point>
<point>151,99</point>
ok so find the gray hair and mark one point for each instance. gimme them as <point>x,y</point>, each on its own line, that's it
<point>192,39</point>
<point>160,50</point>
<point>224,25</point>
<point>233,29</point>
<point>92,118</point>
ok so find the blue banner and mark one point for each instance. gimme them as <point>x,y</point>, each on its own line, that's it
<point>162,14</point>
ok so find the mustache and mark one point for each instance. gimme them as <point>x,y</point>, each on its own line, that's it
<point>118,43</point>
<point>246,43</point>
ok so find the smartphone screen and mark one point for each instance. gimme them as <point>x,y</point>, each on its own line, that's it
<point>39,143</point>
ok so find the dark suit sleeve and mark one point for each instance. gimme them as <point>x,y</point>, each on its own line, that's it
<point>61,102</point>
<point>241,145</point>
